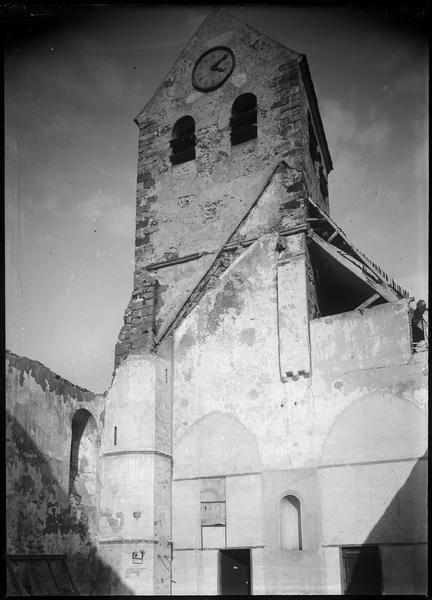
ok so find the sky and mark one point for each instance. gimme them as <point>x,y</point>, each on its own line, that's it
<point>71,94</point>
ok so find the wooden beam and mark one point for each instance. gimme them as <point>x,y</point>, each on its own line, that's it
<point>355,267</point>
<point>368,302</point>
<point>360,256</point>
<point>339,231</point>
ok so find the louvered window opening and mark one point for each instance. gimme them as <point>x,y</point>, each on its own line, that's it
<point>243,127</point>
<point>183,149</point>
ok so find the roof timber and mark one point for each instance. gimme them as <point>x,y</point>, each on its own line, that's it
<point>355,267</point>
<point>368,302</point>
<point>371,266</point>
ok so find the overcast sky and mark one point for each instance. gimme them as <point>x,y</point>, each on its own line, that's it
<point>71,154</point>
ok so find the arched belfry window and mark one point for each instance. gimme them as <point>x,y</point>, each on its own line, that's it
<point>243,120</point>
<point>183,141</point>
<point>290,523</point>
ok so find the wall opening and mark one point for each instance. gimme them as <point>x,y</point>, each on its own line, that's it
<point>235,572</point>
<point>361,570</point>
<point>243,120</point>
<point>339,289</point>
<point>290,523</point>
<point>84,456</point>
<point>183,141</point>
<point>115,436</point>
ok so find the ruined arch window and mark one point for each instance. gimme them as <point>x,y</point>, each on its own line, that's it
<point>290,523</point>
<point>183,141</point>
<point>83,456</point>
<point>243,120</point>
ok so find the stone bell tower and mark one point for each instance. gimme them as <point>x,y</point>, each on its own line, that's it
<point>234,107</point>
<point>230,146</point>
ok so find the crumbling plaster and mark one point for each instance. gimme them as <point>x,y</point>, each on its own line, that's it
<point>226,356</point>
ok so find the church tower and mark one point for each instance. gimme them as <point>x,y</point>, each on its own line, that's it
<point>235,114</point>
<point>213,429</point>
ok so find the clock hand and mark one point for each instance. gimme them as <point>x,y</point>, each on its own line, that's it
<point>215,65</point>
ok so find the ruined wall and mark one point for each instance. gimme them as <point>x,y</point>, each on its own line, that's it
<point>362,339</point>
<point>235,420</point>
<point>43,516</point>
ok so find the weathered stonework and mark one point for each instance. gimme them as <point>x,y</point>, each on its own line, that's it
<point>188,208</point>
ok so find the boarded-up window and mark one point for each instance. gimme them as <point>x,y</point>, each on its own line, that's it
<point>213,513</point>
<point>290,523</point>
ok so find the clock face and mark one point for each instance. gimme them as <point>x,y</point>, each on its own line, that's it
<point>213,68</point>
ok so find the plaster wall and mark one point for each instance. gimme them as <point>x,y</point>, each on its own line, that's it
<point>132,392</point>
<point>366,339</point>
<point>356,498</point>
<point>128,578</point>
<point>293,318</point>
<point>244,510</point>
<point>195,573</point>
<point>373,483</point>
<point>296,431</point>
<point>234,330</point>
<point>292,571</point>
<point>405,569</point>
<point>136,474</point>
<point>127,488</point>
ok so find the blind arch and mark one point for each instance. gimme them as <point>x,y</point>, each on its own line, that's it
<point>290,529</point>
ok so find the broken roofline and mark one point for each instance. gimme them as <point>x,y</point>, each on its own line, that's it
<point>362,258</point>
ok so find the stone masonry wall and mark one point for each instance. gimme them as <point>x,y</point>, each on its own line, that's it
<point>192,207</point>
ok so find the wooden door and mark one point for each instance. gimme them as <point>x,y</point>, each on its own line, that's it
<point>235,572</point>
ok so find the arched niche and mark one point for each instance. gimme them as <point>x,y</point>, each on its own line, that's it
<point>84,456</point>
<point>379,496</point>
<point>290,526</point>
<point>216,444</point>
<point>379,426</point>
